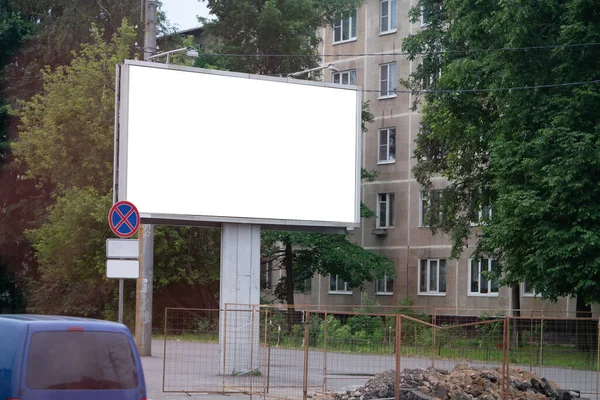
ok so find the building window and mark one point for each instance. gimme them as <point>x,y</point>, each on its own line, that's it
<point>266,275</point>
<point>387,145</point>
<point>429,80</point>
<point>528,290</point>
<point>385,210</point>
<point>387,80</point>
<point>388,16</point>
<point>384,286</point>
<point>480,284</point>
<point>345,77</point>
<point>344,28</point>
<point>484,215</point>
<point>338,285</point>
<point>305,286</point>
<point>425,199</point>
<point>432,276</point>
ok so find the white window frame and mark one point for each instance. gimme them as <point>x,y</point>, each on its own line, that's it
<point>480,216</point>
<point>389,133</point>
<point>340,75</point>
<point>529,294</point>
<point>349,22</point>
<point>489,281</point>
<point>423,23</point>
<point>389,199</point>
<point>428,291</point>
<point>346,290</point>
<point>424,196</point>
<point>392,17</point>
<point>386,292</point>
<point>391,82</point>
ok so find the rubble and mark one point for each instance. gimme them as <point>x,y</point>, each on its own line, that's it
<point>464,382</point>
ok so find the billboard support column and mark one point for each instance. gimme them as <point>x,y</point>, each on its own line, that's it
<point>240,290</point>
<point>144,288</point>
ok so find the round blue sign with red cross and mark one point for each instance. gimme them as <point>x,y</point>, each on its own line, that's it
<point>124,219</point>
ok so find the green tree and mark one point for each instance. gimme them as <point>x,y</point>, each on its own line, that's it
<point>533,154</point>
<point>14,30</point>
<point>37,33</point>
<point>65,141</point>
<point>264,28</point>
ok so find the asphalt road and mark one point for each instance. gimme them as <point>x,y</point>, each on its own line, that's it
<point>193,368</point>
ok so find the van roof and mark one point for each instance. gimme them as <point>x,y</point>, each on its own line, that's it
<point>33,319</point>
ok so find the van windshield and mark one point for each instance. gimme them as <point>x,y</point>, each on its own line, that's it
<point>65,360</point>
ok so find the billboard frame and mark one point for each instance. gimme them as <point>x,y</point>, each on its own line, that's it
<point>121,143</point>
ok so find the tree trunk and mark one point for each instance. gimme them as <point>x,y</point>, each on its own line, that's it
<point>288,262</point>
<point>516,306</point>
<point>289,276</point>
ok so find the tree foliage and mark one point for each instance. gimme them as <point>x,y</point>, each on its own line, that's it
<point>65,131</point>
<point>66,139</point>
<point>14,29</point>
<point>533,154</point>
<point>269,27</point>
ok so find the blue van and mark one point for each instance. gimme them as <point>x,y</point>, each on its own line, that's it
<point>63,358</point>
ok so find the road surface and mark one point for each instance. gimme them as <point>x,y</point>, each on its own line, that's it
<point>195,367</point>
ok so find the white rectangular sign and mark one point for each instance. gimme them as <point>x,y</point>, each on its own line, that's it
<point>123,269</point>
<point>122,248</point>
<point>205,145</point>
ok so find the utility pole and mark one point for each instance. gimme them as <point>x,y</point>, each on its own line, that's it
<point>143,303</point>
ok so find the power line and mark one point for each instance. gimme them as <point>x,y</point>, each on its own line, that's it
<point>407,54</point>
<point>499,89</point>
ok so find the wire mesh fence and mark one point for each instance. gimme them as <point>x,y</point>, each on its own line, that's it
<point>294,353</point>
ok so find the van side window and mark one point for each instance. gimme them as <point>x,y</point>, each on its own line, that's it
<point>70,360</point>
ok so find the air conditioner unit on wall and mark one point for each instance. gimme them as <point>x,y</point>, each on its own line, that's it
<point>380,232</point>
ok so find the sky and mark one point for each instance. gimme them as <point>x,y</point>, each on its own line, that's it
<point>183,12</point>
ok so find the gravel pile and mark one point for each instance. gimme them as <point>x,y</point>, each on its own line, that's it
<point>464,382</point>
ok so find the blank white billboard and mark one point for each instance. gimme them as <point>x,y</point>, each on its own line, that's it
<point>201,145</point>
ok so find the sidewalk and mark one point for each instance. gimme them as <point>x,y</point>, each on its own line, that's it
<point>153,372</point>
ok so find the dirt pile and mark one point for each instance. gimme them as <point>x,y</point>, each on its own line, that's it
<point>464,382</point>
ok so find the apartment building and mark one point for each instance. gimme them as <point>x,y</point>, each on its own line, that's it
<point>359,45</point>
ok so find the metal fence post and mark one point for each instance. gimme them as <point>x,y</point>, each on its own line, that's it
<point>224,346</point>
<point>508,328</point>
<point>504,374</point>
<point>252,351</point>
<point>598,362</point>
<point>306,340</point>
<point>325,322</point>
<point>398,355</point>
<point>269,332</point>
<point>165,350</point>
<point>541,345</point>
<point>433,333</point>
<point>531,344</point>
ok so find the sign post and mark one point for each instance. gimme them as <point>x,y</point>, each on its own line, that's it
<point>122,254</point>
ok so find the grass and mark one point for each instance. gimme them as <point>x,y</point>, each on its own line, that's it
<point>209,337</point>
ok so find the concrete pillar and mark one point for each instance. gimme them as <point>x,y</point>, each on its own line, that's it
<point>240,289</point>
<point>144,290</point>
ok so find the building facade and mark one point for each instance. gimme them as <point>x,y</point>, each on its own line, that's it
<point>364,46</point>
